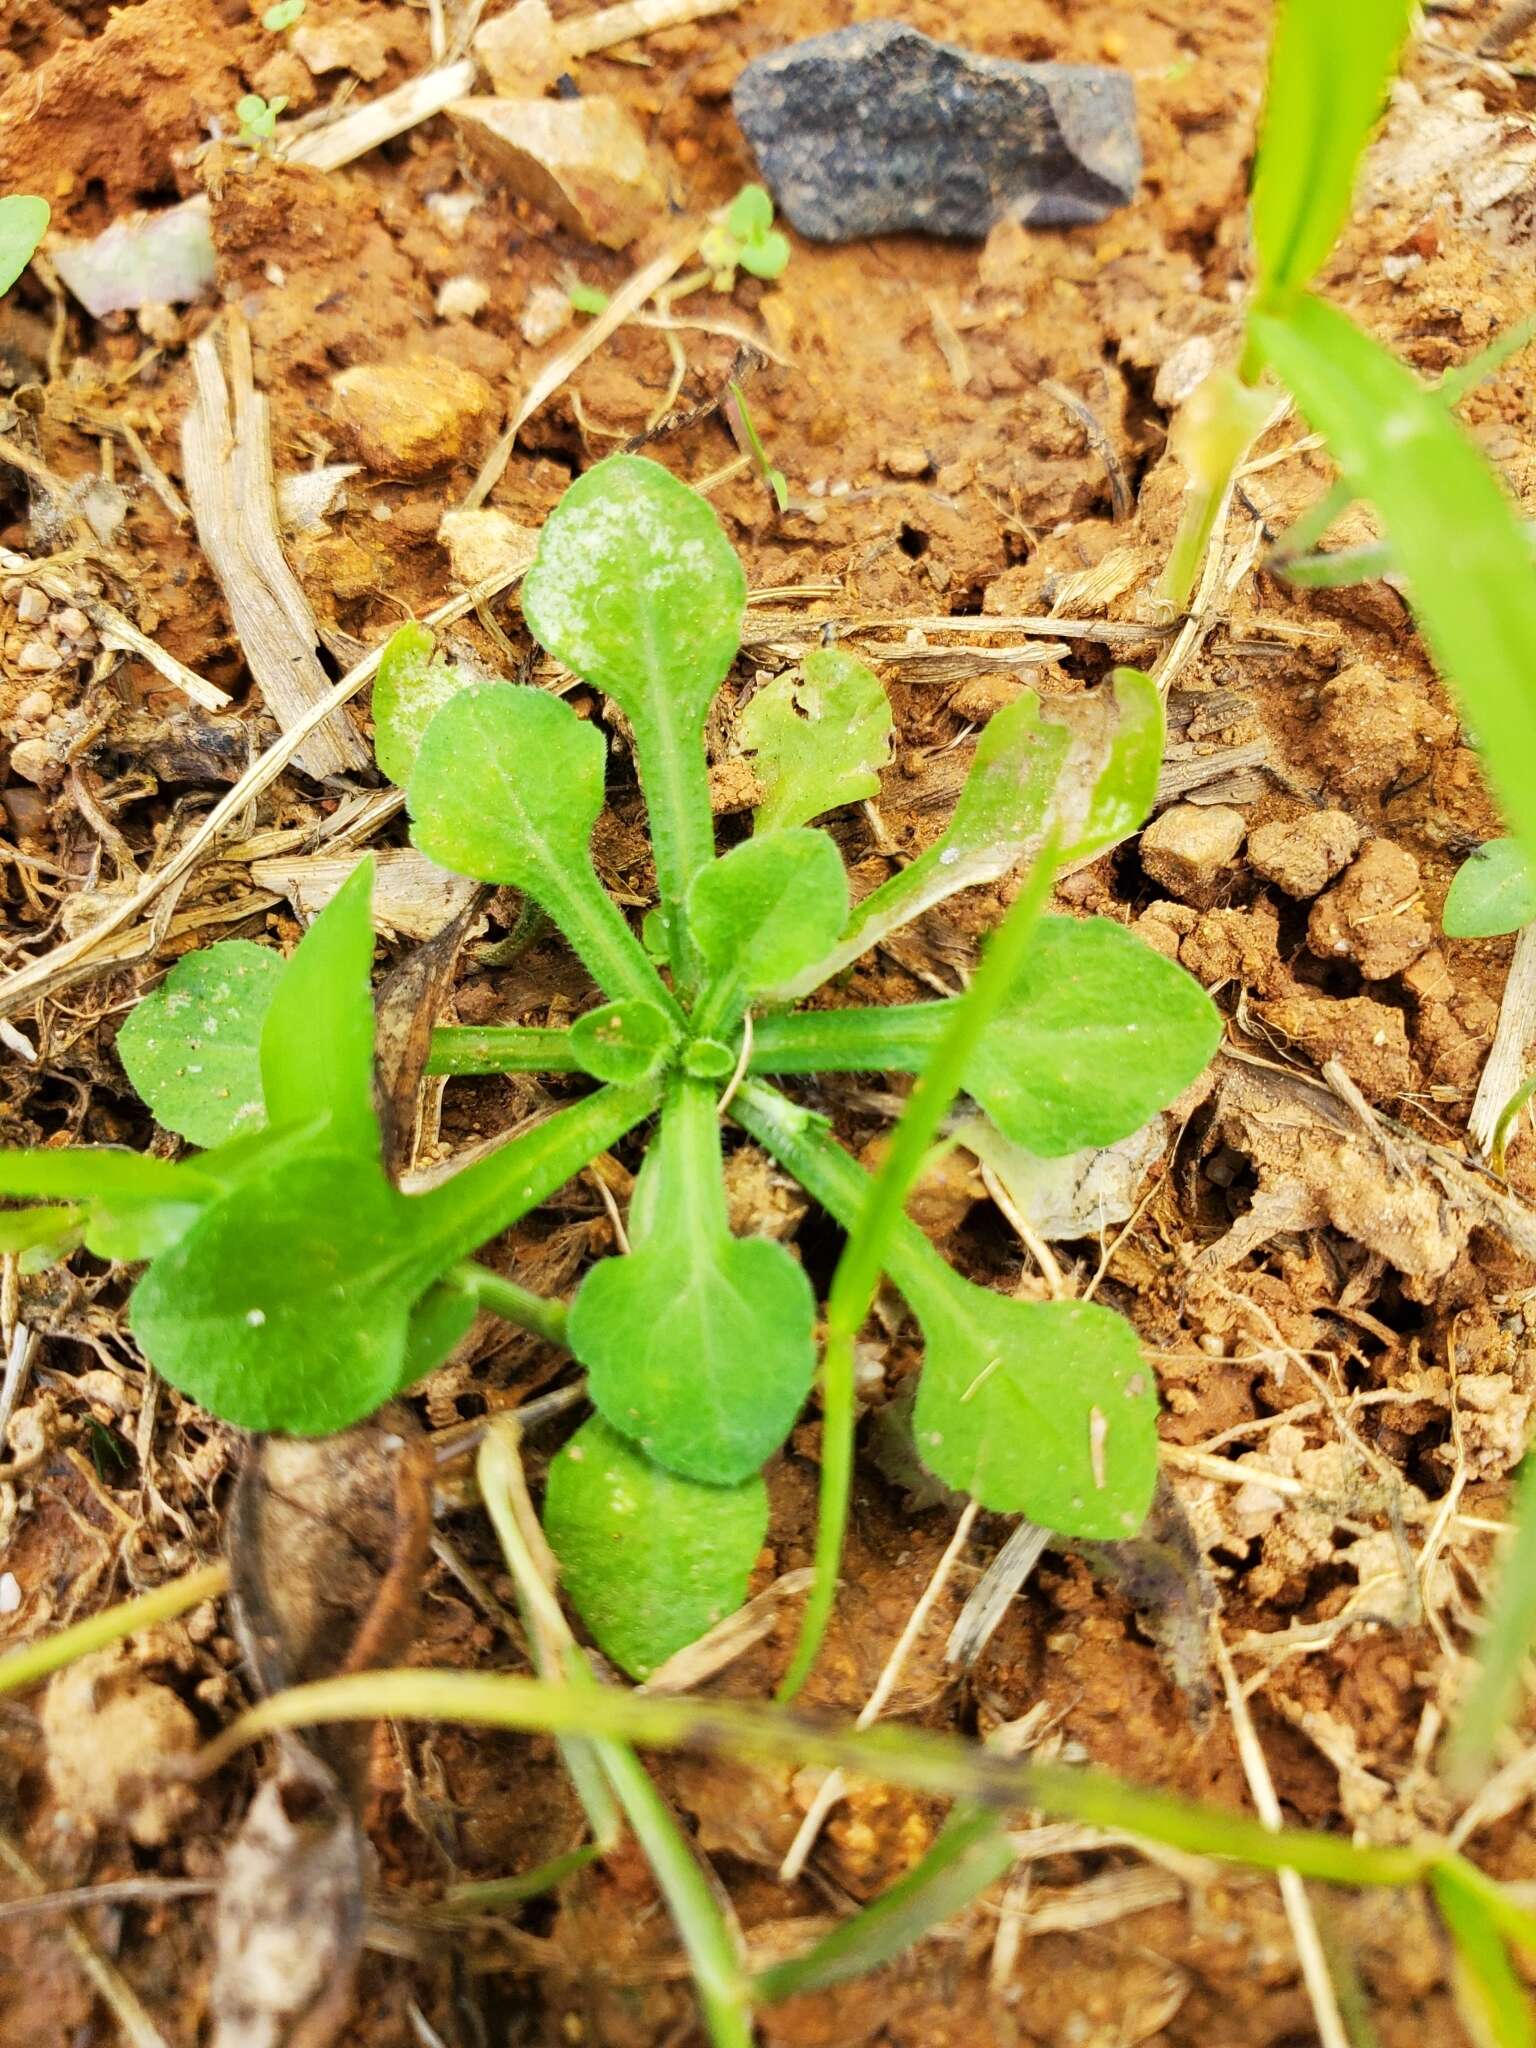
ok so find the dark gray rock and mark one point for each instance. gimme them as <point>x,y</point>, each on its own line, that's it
<point>877,128</point>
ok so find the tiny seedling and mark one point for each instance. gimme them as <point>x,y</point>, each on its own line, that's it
<point>587,299</point>
<point>745,240</point>
<point>283,15</point>
<point>258,117</point>
<point>291,1286</point>
<point>23,223</point>
<point>1492,893</point>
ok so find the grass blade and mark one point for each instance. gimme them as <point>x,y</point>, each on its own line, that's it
<point>972,1852</point>
<point>1472,581</point>
<point>1328,75</point>
<point>1510,1630</point>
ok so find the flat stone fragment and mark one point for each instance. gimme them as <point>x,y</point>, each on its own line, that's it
<point>406,419</point>
<point>1191,850</point>
<point>585,162</point>
<point>877,128</point>
<point>521,50</point>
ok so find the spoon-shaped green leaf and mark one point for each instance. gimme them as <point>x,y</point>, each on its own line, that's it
<point>637,589</point>
<point>651,1561</point>
<point>507,786</point>
<point>291,1301</point>
<point>1087,772</point>
<point>819,738</point>
<point>1491,893</point>
<point>23,223</point>
<point>697,1344</point>
<point>763,911</point>
<point>192,1047</point>
<point>1045,1409</point>
<point>623,1041</point>
<point>408,692</point>
<point>1099,1033</point>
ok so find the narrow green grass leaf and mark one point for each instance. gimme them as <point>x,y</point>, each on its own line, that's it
<point>507,786</point>
<point>103,1172</point>
<point>819,735</point>
<point>409,690</point>
<point>1493,892</point>
<point>1471,577</point>
<point>317,1037</point>
<point>1505,1642</point>
<point>192,1048</point>
<point>698,1345</point>
<point>23,223</point>
<point>1494,2002</point>
<point>972,1852</point>
<point>651,1561</point>
<point>1329,70</point>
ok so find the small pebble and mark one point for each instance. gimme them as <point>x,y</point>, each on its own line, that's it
<point>39,657</point>
<point>908,460</point>
<point>32,710</point>
<point>462,298</point>
<point>1191,848</point>
<point>31,606</point>
<point>10,1593</point>
<point>547,312</point>
<point>33,761</point>
<point>73,623</point>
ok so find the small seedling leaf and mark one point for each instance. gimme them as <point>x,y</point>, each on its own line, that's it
<point>623,1041</point>
<point>409,691</point>
<point>1120,763</point>
<point>637,589</point>
<point>23,223</point>
<point>1491,893</point>
<point>1328,75</point>
<point>192,1047</point>
<point>820,736</point>
<point>507,786</point>
<point>288,1304</point>
<point>651,1561</point>
<point>770,906</point>
<point>1099,1033</point>
<point>1038,1408</point>
<point>317,1040</point>
<point>767,256</point>
<point>698,1345</point>
<point>750,214</point>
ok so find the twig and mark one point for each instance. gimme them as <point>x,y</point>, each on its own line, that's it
<point>831,1789</point>
<point>1507,27</point>
<point>119,631</point>
<point>381,120</point>
<point>1298,1907</point>
<point>1505,1065</point>
<point>26,984</point>
<point>994,1592</point>
<point>610,26</point>
<point>115,1993</point>
<point>628,299</point>
<point>228,466</point>
<point>117,1891</point>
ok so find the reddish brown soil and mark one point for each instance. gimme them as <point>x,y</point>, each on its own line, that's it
<point>1349,1663</point>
